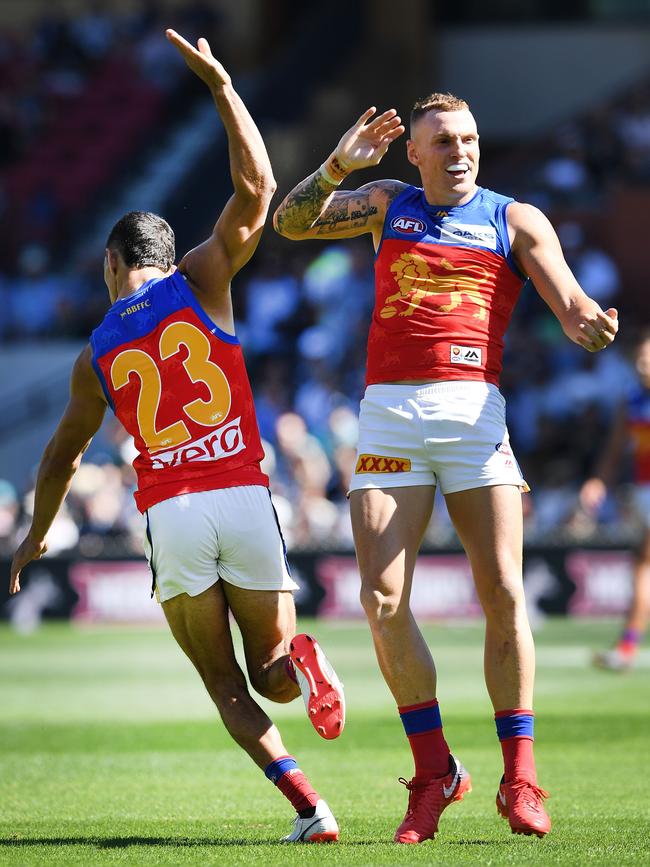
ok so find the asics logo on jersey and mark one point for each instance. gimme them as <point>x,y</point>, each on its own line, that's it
<point>379,464</point>
<point>408,225</point>
<point>220,443</point>
<point>416,281</point>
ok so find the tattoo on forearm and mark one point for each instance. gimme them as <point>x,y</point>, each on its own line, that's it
<point>351,210</point>
<point>304,204</point>
<point>304,208</point>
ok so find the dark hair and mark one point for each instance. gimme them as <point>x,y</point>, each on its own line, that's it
<point>142,238</point>
<point>437,102</point>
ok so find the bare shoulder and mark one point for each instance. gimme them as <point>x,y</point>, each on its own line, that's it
<point>385,191</point>
<point>207,269</point>
<point>526,219</point>
<point>84,381</point>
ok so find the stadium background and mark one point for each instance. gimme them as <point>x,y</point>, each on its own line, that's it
<point>109,748</point>
<point>98,115</point>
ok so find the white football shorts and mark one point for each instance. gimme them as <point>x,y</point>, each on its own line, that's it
<point>193,540</point>
<point>451,434</point>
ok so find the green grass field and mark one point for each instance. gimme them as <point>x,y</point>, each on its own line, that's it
<point>111,753</point>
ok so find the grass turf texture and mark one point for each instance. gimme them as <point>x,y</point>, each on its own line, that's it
<point>111,754</point>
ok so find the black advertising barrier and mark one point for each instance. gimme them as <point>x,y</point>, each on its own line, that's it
<point>585,581</point>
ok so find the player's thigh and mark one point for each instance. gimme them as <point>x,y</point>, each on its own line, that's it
<point>391,451</point>
<point>182,544</point>
<point>252,553</point>
<point>388,525</point>
<point>201,627</point>
<point>468,438</point>
<point>489,523</point>
<point>266,620</point>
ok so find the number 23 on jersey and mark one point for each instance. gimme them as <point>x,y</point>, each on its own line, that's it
<point>199,368</point>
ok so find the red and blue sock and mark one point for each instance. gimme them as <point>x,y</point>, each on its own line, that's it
<point>294,785</point>
<point>516,731</point>
<point>629,641</point>
<point>423,727</point>
<point>290,670</point>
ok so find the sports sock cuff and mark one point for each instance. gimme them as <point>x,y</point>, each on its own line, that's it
<point>630,636</point>
<point>515,724</point>
<point>290,669</point>
<point>279,767</point>
<point>418,719</point>
<point>515,711</point>
<point>409,707</point>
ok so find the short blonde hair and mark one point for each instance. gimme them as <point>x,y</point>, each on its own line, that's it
<point>437,102</point>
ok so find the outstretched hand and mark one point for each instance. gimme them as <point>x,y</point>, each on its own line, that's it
<point>200,60</point>
<point>27,551</point>
<point>598,330</point>
<point>364,144</point>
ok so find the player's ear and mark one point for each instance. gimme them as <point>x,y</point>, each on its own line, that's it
<point>412,152</point>
<point>111,261</point>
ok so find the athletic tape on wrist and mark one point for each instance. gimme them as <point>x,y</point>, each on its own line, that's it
<point>334,171</point>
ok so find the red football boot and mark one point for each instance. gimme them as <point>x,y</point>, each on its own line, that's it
<point>521,803</point>
<point>428,798</point>
<point>321,689</point>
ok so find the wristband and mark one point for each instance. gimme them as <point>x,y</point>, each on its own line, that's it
<point>333,171</point>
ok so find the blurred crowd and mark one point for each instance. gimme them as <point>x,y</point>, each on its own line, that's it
<point>302,314</point>
<point>79,98</point>
<point>584,156</point>
<point>303,319</point>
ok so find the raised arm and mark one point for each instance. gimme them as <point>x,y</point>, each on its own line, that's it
<point>537,251</point>
<point>211,266</point>
<point>315,209</point>
<point>61,458</point>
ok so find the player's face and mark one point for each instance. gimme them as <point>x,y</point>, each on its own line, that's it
<point>444,147</point>
<point>643,363</point>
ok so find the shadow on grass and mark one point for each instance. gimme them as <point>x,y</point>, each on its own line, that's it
<point>123,842</point>
<point>181,842</point>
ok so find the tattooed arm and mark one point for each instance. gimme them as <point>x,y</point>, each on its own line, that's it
<point>316,209</point>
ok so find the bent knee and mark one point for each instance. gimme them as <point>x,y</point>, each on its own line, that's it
<point>278,691</point>
<point>272,681</point>
<point>226,691</point>
<point>380,606</point>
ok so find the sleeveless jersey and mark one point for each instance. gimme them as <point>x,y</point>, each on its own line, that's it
<point>638,426</point>
<point>179,386</point>
<point>445,289</point>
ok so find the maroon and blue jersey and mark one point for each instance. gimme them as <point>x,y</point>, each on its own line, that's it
<point>445,288</point>
<point>638,426</point>
<point>179,386</point>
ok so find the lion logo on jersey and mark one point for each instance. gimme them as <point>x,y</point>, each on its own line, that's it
<point>416,280</point>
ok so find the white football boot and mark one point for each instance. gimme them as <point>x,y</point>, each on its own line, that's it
<point>321,828</point>
<point>613,660</point>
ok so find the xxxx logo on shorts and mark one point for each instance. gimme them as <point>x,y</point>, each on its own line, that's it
<point>382,464</point>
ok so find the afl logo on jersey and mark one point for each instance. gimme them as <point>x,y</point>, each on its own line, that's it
<point>408,225</point>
